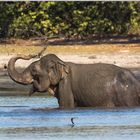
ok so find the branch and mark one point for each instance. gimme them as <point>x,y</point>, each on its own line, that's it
<point>42,51</point>
<point>39,54</point>
<point>44,48</point>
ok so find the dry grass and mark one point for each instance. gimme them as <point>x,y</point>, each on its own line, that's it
<point>70,49</point>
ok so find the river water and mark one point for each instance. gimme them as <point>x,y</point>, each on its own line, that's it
<point>37,117</point>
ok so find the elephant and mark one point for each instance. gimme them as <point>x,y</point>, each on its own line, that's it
<point>79,85</point>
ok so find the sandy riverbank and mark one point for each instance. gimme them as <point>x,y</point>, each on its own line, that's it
<point>123,59</point>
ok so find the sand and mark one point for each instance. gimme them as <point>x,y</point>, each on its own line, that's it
<point>123,59</point>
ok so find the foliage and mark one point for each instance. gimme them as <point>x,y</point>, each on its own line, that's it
<point>6,17</point>
<point>68,19</point>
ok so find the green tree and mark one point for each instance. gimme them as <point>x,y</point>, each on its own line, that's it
<point>7,11</point>
<point>69,19</point>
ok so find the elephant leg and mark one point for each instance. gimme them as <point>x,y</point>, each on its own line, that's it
<point>65,95</point>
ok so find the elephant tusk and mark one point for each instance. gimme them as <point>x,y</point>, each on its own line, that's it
<point>32,80</point>
<point>51,91</point>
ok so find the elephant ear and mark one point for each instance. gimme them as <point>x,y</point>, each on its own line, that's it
<point>57,71</point>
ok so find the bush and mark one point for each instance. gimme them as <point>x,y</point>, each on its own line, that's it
<point>68,19</point>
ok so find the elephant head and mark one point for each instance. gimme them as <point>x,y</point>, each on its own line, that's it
<point>53,71</point>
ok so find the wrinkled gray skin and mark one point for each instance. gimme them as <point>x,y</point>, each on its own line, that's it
<point>79,85</point>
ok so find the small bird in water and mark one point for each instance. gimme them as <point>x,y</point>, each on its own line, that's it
<point>72,121</point>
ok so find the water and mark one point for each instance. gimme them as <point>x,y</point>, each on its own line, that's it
<point>23,117</point>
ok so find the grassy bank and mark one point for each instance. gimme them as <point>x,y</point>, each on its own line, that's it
<point>10,49</point>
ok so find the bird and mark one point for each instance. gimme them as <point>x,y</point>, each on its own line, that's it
<point>72,121</point>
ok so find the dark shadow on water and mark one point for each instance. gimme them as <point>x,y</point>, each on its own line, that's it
<point>46,109</point>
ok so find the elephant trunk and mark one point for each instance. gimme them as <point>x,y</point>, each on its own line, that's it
<point>22,78</point>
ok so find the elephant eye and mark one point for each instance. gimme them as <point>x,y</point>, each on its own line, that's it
<point>36,77</point>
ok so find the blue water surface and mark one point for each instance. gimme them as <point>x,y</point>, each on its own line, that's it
<point>38,117</point>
